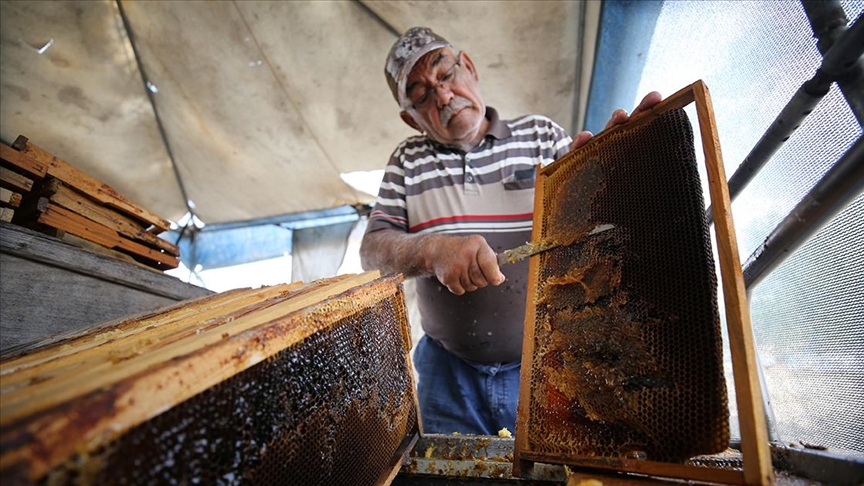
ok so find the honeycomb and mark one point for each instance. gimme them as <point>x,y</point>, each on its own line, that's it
<point>627,347</point>
<point>330,409</point>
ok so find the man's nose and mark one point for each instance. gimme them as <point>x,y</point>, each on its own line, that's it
<point>443,94</point>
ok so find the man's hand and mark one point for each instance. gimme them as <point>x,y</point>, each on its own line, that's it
<point>462,263</point>
<point>619,116</point>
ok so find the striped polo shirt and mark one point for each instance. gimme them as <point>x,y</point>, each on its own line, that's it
<point>489,191</point>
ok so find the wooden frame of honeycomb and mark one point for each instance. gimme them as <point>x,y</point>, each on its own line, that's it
<point>91,407</point>
<point>605,273</point>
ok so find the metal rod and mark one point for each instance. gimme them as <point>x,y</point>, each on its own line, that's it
<point>837,188</point>
<point>846,51</point>
<point>387,25</point>
<point>829,21</point>
<point>842,60</point>
<point>189,205</point>
<point>790,118</point>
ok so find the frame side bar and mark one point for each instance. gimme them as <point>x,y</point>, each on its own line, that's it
<point>751,412</point>
<point>522,467</point>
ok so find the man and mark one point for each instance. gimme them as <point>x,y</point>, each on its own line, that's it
<point>451,199</point>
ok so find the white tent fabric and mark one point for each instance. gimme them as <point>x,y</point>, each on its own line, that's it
<point>318,252</point>
<point>263,104</point>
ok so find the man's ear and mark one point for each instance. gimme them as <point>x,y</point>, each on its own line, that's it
<point>409,120</point>
<point>469,64</point>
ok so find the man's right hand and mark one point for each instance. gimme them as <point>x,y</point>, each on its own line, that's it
<point>462,263</point>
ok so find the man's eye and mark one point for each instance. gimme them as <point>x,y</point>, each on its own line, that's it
<point>448,75</point>
<point>419,99</point>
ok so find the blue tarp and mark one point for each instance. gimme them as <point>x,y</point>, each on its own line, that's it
<point>626,29</point>
<point>228,244</point>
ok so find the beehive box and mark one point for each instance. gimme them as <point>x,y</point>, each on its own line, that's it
<point>292,384</point>
<point>622,361</point>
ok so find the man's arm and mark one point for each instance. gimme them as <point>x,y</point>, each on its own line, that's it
<point>461,263</point>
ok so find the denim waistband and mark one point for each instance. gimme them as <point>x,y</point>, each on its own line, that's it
<point>489,368</point>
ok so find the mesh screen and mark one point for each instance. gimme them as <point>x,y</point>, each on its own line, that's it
<point>808,317</point>
<point>331,409</point>
<point>627,358</point>
<point>810,330</point>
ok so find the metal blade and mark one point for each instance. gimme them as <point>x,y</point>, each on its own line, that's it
<point>522,252</point>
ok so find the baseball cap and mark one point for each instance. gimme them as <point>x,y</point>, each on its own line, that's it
<point>415,43</point>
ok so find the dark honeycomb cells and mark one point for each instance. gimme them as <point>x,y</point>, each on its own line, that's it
<point>329,410</point>
<point>628,357</point>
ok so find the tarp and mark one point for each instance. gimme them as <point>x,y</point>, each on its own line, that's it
<point>262,104</point>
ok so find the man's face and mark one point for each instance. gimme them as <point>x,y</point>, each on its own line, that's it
<point>452,111</point>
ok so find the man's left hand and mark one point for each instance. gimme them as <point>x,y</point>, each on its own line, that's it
<point>619,116</point>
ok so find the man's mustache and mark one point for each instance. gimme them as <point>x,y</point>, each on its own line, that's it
<point>456,104</point>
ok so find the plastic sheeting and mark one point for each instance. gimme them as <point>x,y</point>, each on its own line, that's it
<point>264,104</point>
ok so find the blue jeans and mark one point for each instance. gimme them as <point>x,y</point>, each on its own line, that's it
<point>457,395</point>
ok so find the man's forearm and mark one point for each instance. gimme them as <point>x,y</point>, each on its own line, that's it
<point>392,251</point>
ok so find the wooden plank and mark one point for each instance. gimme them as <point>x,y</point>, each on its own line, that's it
<point>748,392</point>
<point>78,342</point>
<point>35,246</point>
<point>651,468</point>
<point>10,199</point>
<point>38,300</point>
<point>22,161</point>
<point>522,467</point>
<point>90,246</point>
<point>39,396</point>
<point>63,219</point>
<point>89,185</point>
<point>210,309</point>
<point>137,391</point>
<point>611,478</point>
<point>79,203</point>
<point>145,337</point>
<point>6,214</point>
<point>679,99</point>
<point>14,181</point>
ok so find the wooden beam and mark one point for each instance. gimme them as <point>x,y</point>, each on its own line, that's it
<point>14,181</point>
<point>106,332</point>
<point>145,336</point>
<point>22,161</point>
<point>182,316</point>
<point>63,219</point>
<point>93,247</point>
<point>9,199</point>
<point>39,396</point>
<point>651,468</point>
<point>522,467</point>
<point>89,185</point>
<point>41,248</point>
<point>68,198</point>
<point>679,99</point>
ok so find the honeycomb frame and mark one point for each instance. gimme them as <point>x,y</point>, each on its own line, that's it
<point>604,274</point>
<point>291,384</point>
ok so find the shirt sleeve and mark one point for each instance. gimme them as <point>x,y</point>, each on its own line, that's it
<point>562,140</point>
<point>559,142</point>
<point>390,211</point>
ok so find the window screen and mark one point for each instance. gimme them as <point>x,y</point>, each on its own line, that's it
<point>808,315</point>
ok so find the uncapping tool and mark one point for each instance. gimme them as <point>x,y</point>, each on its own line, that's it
<point>522,252</point>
